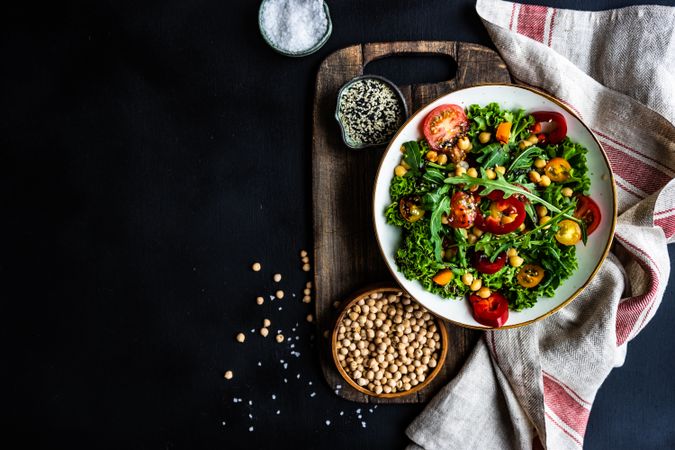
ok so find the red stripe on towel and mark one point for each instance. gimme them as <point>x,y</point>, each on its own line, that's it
<point>566,407</point>
<point>531,20</point>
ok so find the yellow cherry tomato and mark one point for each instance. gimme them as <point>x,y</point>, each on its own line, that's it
<point>558,169</point>
<point>530,275</point>
<point>569,232</point>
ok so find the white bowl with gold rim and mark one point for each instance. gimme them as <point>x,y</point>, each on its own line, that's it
<point>590,256</point>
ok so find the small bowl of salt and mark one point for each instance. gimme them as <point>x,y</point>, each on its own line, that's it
<point>295,27</point>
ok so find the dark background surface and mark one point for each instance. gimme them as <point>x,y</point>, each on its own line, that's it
<point>151,151</point>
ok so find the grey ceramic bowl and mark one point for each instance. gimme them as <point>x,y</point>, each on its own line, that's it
<point>345,137</point>
<point>309,51</point>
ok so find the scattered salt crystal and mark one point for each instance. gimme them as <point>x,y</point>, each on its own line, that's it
<point>297,338</point>
<point>278,412</point>
<point>285,365</point>
<point>280,308</point>
<point>358,411</point>
<point>359,416</point>
<point>252,330</point>
<point>259,364</point>
<point>223,423</point>
<point>250,402</point>
<point>310,383</point>
<point>250,416</point>
<point>250,428</point>
<point>363,424</point>
<point>339,386</point>
<point>281,361</point>
<point>298,376</point>
<point>313,394</point>
<point>293,295</point>
<point>370,410</point>
<point>342,413</point>
<point>285,380</point>
<point>274,397</point>
<point>271,297</point>
<point>327,422</point>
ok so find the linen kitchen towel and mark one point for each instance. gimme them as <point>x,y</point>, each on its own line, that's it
<point>535,386</point>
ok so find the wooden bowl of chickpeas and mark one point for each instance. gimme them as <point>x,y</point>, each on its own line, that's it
<point>387,345</point>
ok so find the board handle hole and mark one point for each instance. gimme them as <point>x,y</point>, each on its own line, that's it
<point>413,68</point>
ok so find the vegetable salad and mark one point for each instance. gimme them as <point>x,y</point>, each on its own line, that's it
<point>491,204</point>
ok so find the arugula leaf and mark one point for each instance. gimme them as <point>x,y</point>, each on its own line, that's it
<point>442,207</point>
<point>525,159</point>
<point>520,122</point>
<point>499,184</point>
<point>494,154</point>
<point>433,175</point>
<point>413,157</point>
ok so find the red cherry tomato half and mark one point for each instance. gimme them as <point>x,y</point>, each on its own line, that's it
<point>443,125</point>
<point>589,212</point>
<point>554,136</point>
<point>483,264</point>
<point>463,210</point>
<point>506,214</point>
<point>492,311</point>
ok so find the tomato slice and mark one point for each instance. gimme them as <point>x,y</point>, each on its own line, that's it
<point>444,125</point>
<point>506,214</point>
<point>569,232</point>
<point>492,311</point>
<point>463,210</point>
<point>554,136</point>
<point>411,208</point>
<point>558,169</point>
<point>589,212</point>
<point>530,275</point>
<point>483,264</point>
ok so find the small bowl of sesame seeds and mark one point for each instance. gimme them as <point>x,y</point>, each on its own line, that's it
<point>387,345</point>
<point>370,109</point>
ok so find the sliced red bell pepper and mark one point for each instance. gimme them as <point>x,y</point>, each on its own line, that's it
<point>492,311</point>
<point>483,264</point>
<point>554,136</point>
<point>502,207</point>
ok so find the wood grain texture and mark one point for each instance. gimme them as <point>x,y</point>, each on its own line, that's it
<point>346,256</point>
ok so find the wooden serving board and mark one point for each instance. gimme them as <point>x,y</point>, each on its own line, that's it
<point>346,256</point>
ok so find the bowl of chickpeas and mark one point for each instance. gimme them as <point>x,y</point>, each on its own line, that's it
<point>387,345</point>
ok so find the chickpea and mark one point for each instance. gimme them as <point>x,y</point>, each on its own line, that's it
<point>567,192</point>
<point>512,252</point>
<point>484,292</point>
<point>277,277</point>
<point>467,278</point>
<point>533,139</point>
<point>259,300</point>
<point>491,174</point>
<point>310,318</point>
<point>241,337</point>
<point>305,267</point>
<point>541,210</point>
<point>544,220</point>
<point>442,159</point>
<point>464,143</point>
<point>539,163</point>
<point>516,261</point>
<point>432,156</point>
<point>484,137</point>
<point>256,267</point>
<point>459,171</point>
<point>264,332</point>
<point>476,284</point>
<point>545,181</point>
<point>280,339</point>
<point>399,171</point>
<point>534,176</point>
<point>228,375</point>
<point>471,239</point>
<point>472,172</point>
<point>405,165</point>
<point>501,170</point>
<point>267,323</point>
<point>477,232</point>
<point>279,294</point>
<point>303,254</point>
<point>524,144</point>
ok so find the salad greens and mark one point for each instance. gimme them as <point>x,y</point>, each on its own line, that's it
<point>497,185</point>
